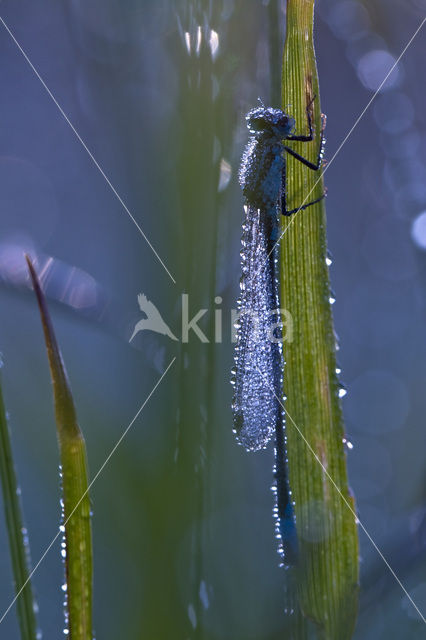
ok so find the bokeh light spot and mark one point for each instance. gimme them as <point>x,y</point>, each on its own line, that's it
<point>418,230</point>
<point>373,67</point>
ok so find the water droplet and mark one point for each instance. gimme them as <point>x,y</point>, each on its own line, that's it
<point>188,41</point>
<point>199,39</point>
<point>225,174</point>
<point>214,43</point>
<point>342,391</point>
<point>204,596</point>
<point>192,616</point>
<point>348,444</point>
<point>418,230</point>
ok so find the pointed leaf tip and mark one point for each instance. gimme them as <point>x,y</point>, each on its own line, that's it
<point>75,484</point>
<point>64,405</point>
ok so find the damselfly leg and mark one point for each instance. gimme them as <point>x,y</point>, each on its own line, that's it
<point>314,166</point>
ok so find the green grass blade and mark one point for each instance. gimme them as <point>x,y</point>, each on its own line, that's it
<point>328,573</point>
<point>75,496</point>
<point>19,548</point>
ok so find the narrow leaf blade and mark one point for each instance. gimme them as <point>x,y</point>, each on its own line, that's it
<point>18,542</point>
<point>327,578</point>
<point>75,487</point>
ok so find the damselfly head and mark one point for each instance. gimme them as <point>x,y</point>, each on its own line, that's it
<point>270,120</point>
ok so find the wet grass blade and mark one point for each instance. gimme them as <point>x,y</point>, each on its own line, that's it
<point>76,503</point>
<point>327,575</point>
<point>18,542</point>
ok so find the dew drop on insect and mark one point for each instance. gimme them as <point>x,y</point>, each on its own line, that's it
<point>342,391</point>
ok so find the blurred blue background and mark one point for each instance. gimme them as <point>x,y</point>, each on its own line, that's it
<point>183,530</point>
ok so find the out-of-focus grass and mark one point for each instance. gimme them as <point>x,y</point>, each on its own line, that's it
<point>18,540</point>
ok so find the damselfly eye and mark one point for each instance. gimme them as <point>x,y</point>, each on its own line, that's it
<point>256,123</point>
<point>269,120</point>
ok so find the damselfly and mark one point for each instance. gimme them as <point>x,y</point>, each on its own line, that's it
<point>259,364</point>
